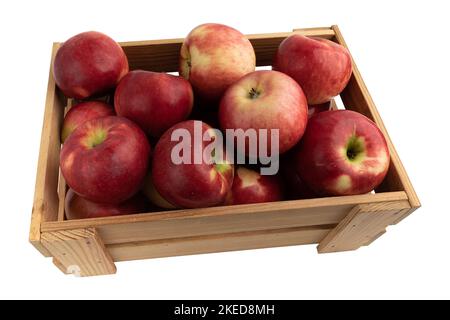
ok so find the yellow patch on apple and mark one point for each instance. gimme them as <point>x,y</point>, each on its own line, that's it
<point>343,183</point>
<point>248,177</point>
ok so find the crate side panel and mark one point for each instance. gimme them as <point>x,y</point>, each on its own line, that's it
<point>218,243</point>
<point>162,57</point>
<point>252,210</point>
<point>357,97</point>
<point>167,229</point>
<point>45,204</point>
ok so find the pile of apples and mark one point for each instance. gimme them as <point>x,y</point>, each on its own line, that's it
<point>116,156</point>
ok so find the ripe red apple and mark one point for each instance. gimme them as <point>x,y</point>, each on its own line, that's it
<point>342,153</point>
<point>250,186</point>
<point>77,207</point>
<point>83,112</point>
<point>155,101</point>
<point>316,108</point>
<point>153,195</point>
<point>212,57</point>
<point>321,67</point>
<point>89,63</point>
<point>266,100</point>
<point>105,160</point>
<point>188,184</point>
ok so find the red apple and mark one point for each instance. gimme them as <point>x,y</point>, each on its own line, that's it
<point>89,63</point>
<point>153,195</point>
<point>250,186</point>
<point>83,112</point>
<point>316,108</point>
<point>212,57</point>
<point>342,153</point>
<point>105,160</point>
<point>322,67</point>
<point>155,101</point>
<point>77,207</point>
<point>188,184</point>
<point>266,100</point>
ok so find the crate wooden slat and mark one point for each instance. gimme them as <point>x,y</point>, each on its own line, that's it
<point>220,220</point>
<point>91,246</point>
<point>218,243</point>
<point>79,250</point>
<point>45,204</point>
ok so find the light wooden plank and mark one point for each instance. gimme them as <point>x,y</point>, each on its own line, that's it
<point>175,228</point>
<point>362,225</point>
<point>370,241</point>
<point>403,214</point>
<point>209,225</point>
<point>45,204</point>
<point>254,210</point>
<point>322,32</point>
<point>60,266</point>
<point>217,243</point>
<point>79,251</point>
<point>357,97</point>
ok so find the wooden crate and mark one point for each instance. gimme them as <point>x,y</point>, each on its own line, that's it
<point>90,247</point>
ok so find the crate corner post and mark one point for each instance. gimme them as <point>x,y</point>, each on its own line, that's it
<point>363,225</point>
<point>79,251</point>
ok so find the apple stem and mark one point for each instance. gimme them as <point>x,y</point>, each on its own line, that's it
<point>253,94</point>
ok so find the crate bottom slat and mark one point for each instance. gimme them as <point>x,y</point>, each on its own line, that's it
<point>218,243</point>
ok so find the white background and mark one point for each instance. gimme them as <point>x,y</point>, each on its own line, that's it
<point>402,50</point>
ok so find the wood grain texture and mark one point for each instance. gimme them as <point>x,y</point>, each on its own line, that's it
<point>363,224</point>
<point>253,210</point>
<point>218,243</point>
<point>202,226</point>
<point>163,55</point>
<point>45,204</point>
<point>356,97</point>
<point>403,214</point>
<point>60,266</point>
<point>220,220</point>
<point>80,251</point>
